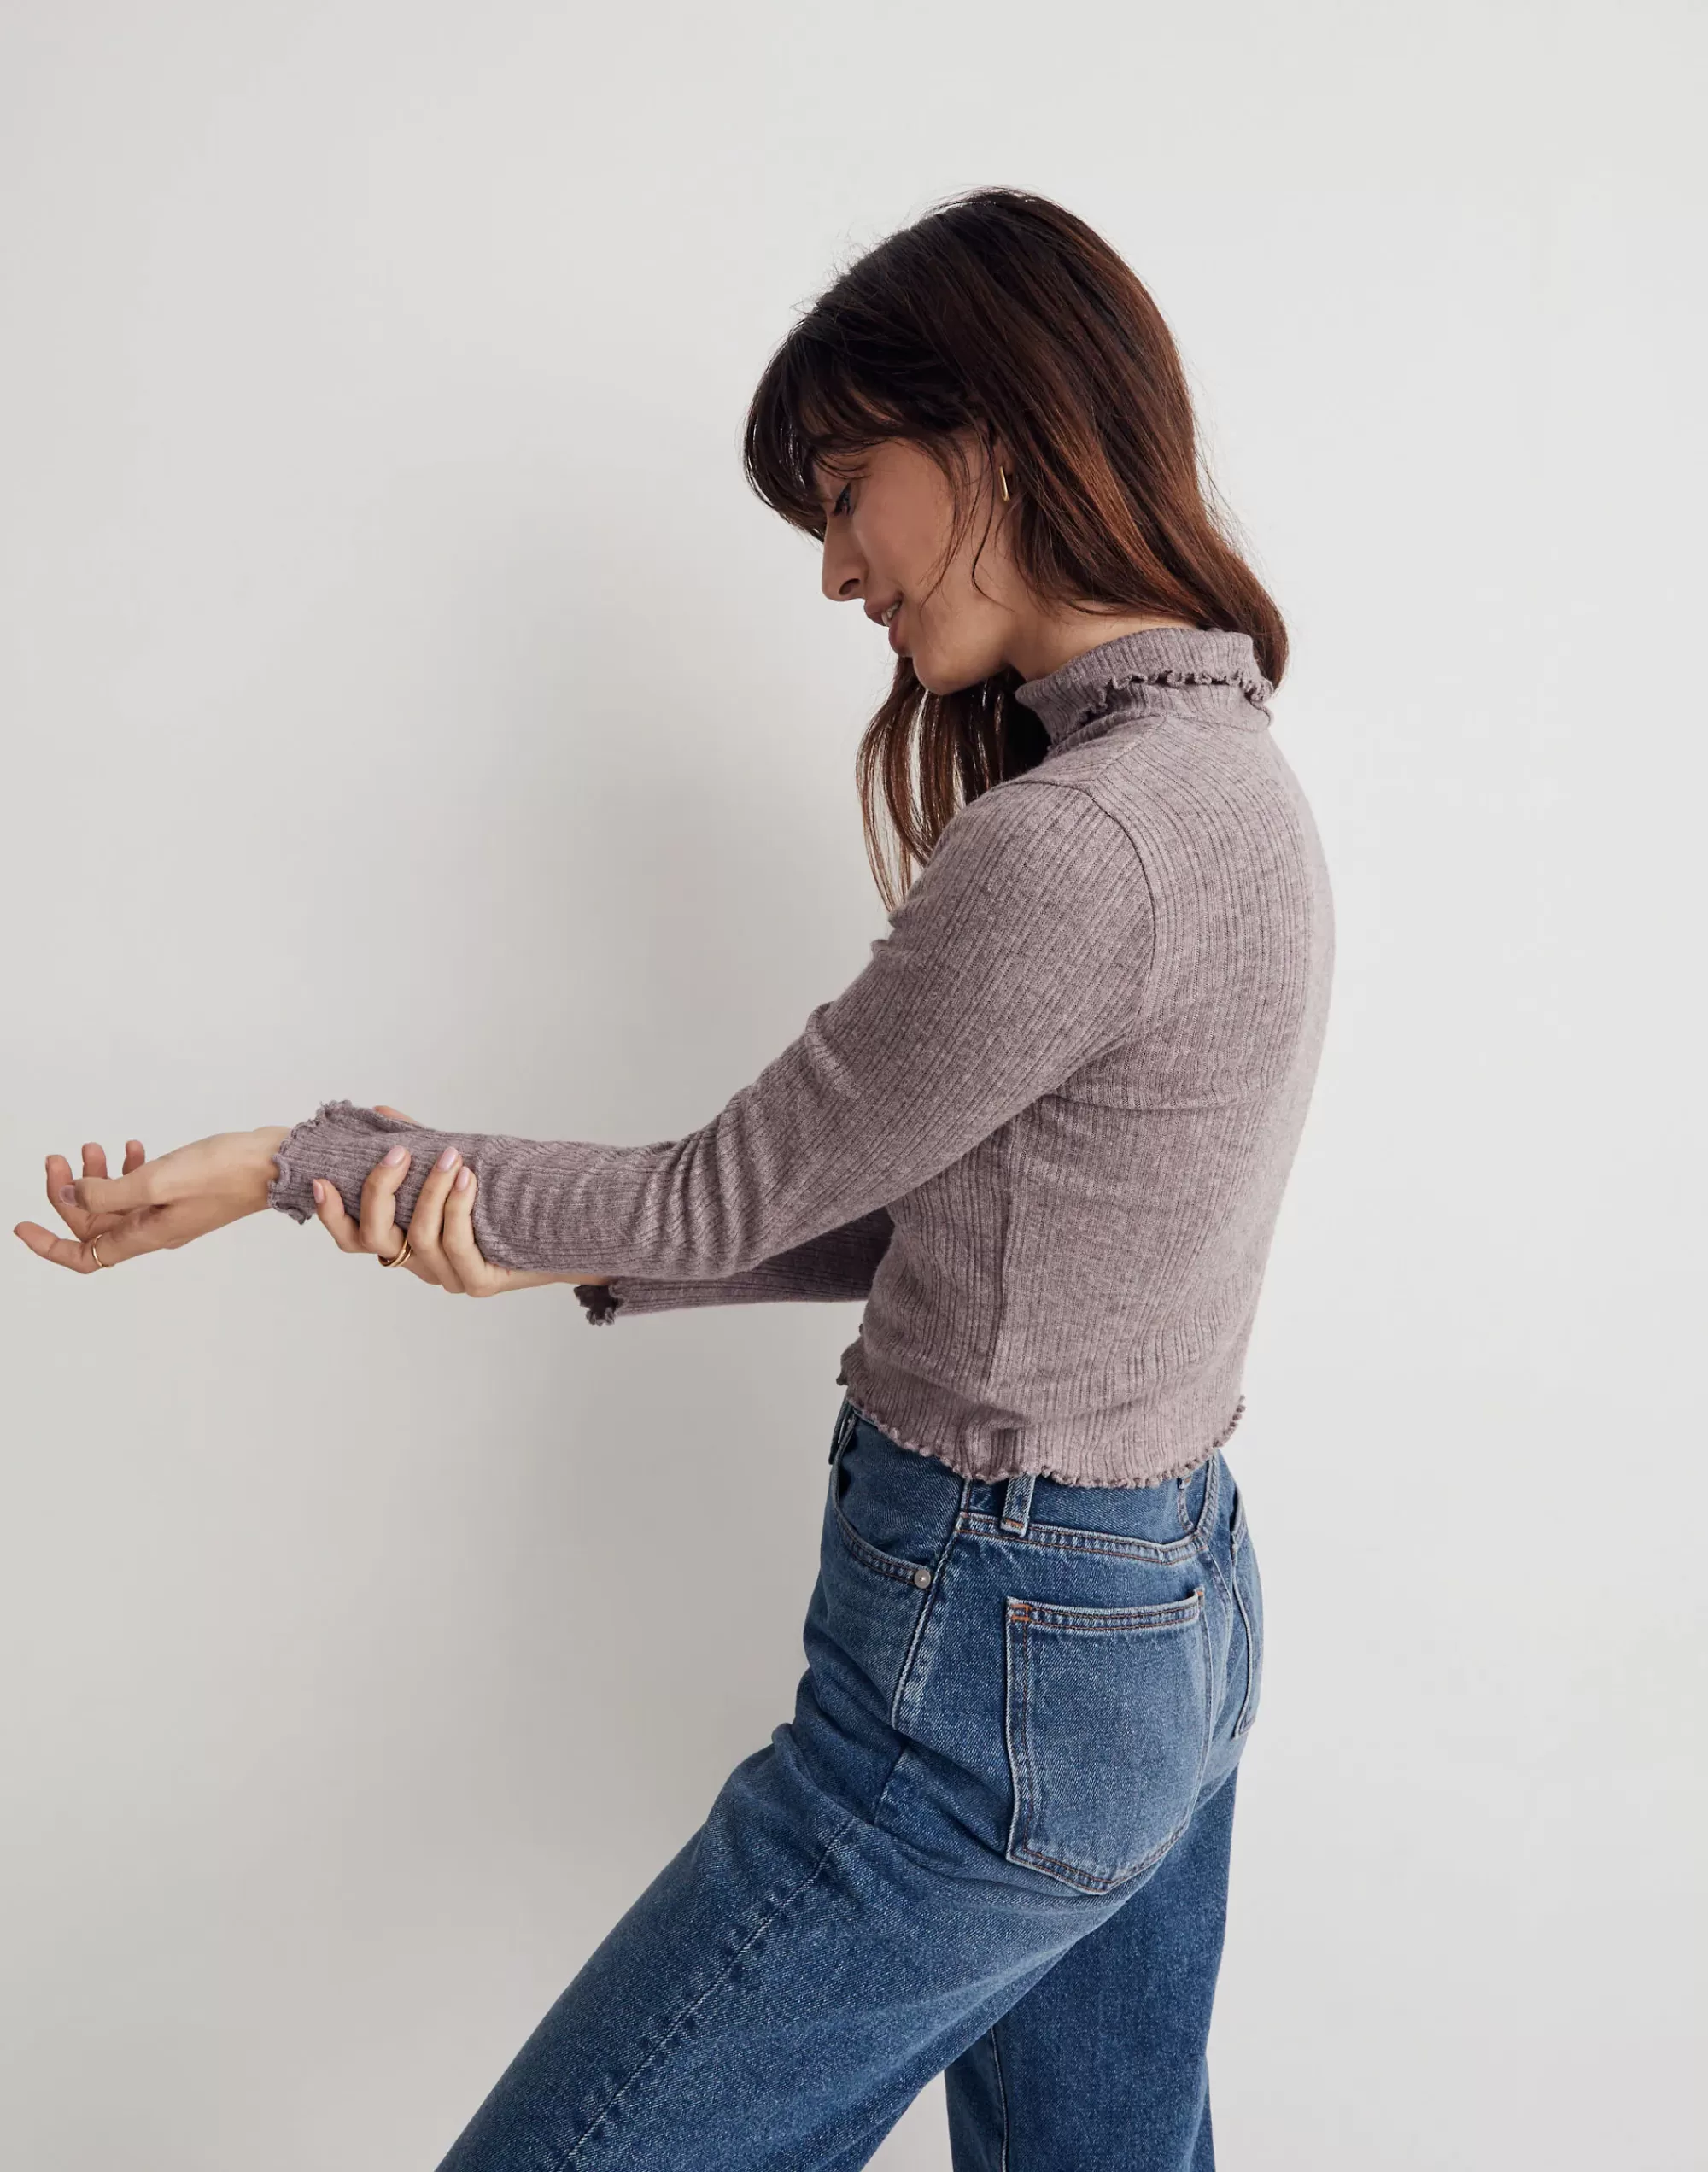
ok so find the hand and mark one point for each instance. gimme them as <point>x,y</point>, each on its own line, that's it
<point>154,1206</point>
<point>441,1234</point>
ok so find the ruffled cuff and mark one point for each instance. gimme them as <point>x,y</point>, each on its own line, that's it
<point>629,1294</point>
<point>292,1191</point>
<point>600,1301</point>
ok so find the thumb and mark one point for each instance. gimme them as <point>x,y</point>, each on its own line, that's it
<point>384,1108</point>
<point>117,1195</point>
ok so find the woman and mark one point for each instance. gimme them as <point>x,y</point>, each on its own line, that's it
<point>1045,1134</point>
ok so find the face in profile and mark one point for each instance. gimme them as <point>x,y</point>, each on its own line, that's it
<point>889,544</point>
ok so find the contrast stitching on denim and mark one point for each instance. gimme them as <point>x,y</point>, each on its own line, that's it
<point>978,1523</point>
<point>1017,1492</point>
<point>1107,1883</point>
<point>890,1565</point>
<point>927,1600</point>
<point>1085,1539</point>
<point>1075,1874</point>
<point>1022,1646</point>
<point>869,1556</point>
<point>1021,1614</point>
<point>1091,1621</point>
<point>611,2103</point>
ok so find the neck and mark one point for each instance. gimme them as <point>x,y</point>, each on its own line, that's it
<point>1209,675</point>
<point>1048,640</point>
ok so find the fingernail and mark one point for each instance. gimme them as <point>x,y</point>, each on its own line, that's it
<point>448,1160</point>
<point>396,1155</point>
<point>68,1195</point>
<point>320,1193</point>
<point>465,1178</point>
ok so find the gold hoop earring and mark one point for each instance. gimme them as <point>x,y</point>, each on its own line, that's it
<point>1002,476</point>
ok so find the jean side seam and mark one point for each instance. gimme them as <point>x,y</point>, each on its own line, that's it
<point>1002,2097</point>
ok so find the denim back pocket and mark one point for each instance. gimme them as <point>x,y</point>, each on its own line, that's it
<point>1108,1719</point>
<point>1248,1598</point>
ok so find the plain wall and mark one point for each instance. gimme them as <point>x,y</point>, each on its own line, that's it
<point>404,698</point>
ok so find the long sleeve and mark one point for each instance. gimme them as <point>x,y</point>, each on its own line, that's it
<point>1020,952</point>
<point>840,1264</point>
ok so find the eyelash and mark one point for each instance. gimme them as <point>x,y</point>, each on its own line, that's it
<point>819,532</point>
<point>835,509</point>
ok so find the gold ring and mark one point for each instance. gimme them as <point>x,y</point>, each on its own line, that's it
<point>95,1251</point>
<point>397,1258</point>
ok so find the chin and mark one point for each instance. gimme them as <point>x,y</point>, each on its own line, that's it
<point>936,678</point>
<point>943,680</point>
<point>954,674</point>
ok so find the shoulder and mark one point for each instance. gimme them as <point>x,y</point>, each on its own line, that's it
<point>1025,862</point>
<point>1039,830</point>
<point>1061,804</point>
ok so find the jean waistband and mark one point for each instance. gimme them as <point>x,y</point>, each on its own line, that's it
<point>1165,1513</point>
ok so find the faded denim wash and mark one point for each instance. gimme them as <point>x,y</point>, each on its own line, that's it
<point>992,1843</point>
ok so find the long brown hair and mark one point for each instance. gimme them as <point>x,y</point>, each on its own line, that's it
<point>999,310</point>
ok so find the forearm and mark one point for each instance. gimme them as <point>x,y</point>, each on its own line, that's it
<point>680,1212</point>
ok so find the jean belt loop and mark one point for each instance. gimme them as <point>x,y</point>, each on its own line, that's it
<point>1017,1502</point>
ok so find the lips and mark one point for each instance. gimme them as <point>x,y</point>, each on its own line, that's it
<point>875,612</point>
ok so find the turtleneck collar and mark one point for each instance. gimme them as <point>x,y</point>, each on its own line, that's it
<point>1217,672</point>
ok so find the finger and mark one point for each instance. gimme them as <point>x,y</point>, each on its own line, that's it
<point>384,1109</point>
<point>331,1214</point>
<point>61,1198</point>
<point>140,1186</point>
<point>60,1193</point>
<point>426,1221</point>
<point>378,1217</point>
<point>63,1251</point>
<point>458,1237</point>
<point>134,1156</point>
<point>78,1254</point>
<point>95,1164</point>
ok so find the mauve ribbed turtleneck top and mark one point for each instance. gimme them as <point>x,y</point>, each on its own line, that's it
<point>1045,1131</point>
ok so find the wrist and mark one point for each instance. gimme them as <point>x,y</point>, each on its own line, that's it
<point>266,1139</point>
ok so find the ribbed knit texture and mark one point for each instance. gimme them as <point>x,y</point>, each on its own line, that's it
<point>1044,1132</point>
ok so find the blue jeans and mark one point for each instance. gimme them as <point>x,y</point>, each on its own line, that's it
<point>992,1843</point>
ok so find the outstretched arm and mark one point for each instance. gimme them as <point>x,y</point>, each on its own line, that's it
<point>1018,954</point>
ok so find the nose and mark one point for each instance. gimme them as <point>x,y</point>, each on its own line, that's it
<point>842,573</point>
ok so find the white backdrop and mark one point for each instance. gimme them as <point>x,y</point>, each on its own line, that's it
<point>405,699</point>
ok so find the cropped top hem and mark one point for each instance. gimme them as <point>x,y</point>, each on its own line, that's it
<point>1165,1438</point>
